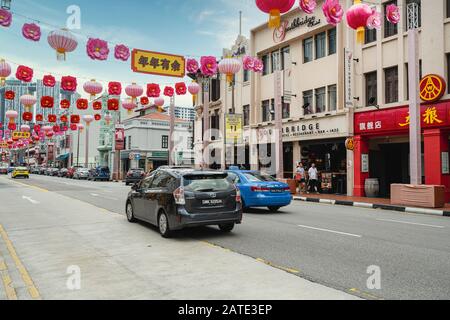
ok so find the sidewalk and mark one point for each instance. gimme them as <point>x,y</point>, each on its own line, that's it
<point>371,203</point>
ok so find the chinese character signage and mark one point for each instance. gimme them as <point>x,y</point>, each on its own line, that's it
<point>21,135</point>
<point>120,138</point>
<point>432,88</point>
<point>395,119</point>
<point>233,125</point>
<point>156,63</point>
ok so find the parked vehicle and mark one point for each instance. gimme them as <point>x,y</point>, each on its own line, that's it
<point>173,199</point>
<point>100,174</point>
<point>4,170</point>
<point>71,171</point>
<point>52,172</point>
<point>260,190</point>
<point>134,176</point>
<point>10,169</point>
<point>20,172</point>
<point>63,173</point>
<point>81,173</point>
<point>35,170</point>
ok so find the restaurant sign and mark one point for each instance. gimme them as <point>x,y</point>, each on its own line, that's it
<point>398,119</point>
<point>432,88</point>
<point>279,34</point>
<point>161,64</point>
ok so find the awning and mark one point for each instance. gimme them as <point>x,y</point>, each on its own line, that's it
<point>63,157</point>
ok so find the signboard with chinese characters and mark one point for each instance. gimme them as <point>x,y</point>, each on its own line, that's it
<point>120,138</point>
<point>364,163</point>
<point>398,119</point>
<point>233,125</point>
<point>21,135</point>
<point>348,78</point>
<point>432,88</point>
<point>156,63</point>
<point>445,163</point>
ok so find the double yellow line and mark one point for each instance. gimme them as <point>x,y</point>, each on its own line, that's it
<point>7,282</point>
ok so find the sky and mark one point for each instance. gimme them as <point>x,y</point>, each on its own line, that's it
<point>185,27</point>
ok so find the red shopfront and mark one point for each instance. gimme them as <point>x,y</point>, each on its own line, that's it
<point>376,156</point>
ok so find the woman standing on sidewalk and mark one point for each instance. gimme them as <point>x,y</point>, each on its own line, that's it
<point>300,178</point>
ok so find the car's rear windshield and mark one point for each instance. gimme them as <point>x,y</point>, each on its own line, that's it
<point>258,177</point>
<point>21,169</point>
<point>206,182</point>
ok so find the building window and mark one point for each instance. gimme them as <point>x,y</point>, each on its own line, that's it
<point>370,35</point>
<point>129,143</point>
<point>165,142</point>
<point>307,50</point>
<point>286,110</point>
<point>320,100</point>
<point>371,88</point>
<point>332,98</point>
<point>215,125</point>
<point>320,45</point>
<point>285,58</point>
<point>308,102</point>
<point>413,14</point>
<point>391,84</point>
<point>265,111</point>
<point>276,61</point>
<point>265,60</point>
<point>215,89</point>
<point>390,29</point>
<point>448,8</point>
<point>246,110</point>
<point>246,75</point>
<point>331,41</point>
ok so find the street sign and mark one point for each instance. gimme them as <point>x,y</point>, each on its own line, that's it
<point>162,64</point>
<point>233,125</point>
<point>137,156</point>
<point>21,135</point>
<point>131,156</point>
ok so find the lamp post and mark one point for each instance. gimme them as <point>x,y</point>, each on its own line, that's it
<point>171,130</point>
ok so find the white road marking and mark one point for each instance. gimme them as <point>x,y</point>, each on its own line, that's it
<point>30,200</point>
<point>412,223</point>
<point>331,231</point>
<point>100,196</point>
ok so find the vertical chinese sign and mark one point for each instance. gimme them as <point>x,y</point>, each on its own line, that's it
<point>120,138</point>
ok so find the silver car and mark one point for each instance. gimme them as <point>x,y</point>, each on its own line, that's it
<point>81,174</point>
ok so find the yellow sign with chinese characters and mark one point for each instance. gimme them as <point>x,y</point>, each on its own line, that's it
<point>161,64</point>
<point>3,145</point>
<point>233,125</point>
<point>21,135</point>
<point>430,116</point>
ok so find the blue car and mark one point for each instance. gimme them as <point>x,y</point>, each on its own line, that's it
<point>260,190</point>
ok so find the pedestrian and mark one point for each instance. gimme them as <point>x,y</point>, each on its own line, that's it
<point>300,178</point>
<point>313,178</point>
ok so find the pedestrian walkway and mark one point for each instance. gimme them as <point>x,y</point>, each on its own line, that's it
<point>374,203</point>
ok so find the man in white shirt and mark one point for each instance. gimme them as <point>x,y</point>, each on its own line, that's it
<point>313,178</point>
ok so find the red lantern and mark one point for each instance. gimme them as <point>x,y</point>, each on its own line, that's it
<point>275,8</point>
<point>65,104</point>
<point>64,118</point>
<point>115,88</point>
<point>49,81</point>
<point>24,74</point>
<point>65,128</point>
<point>52,118</point>
<point>47,102</point>
<point>357,16</point>
<point>49,134</point>
<point>145,101</point>
<point>10,95</point>
<point>69,84</point>
<point>82,104</point>
<point>73,127</point>
<point>98,117</point>
<point>27,116</point>
<point>153,90</point>
<point>12,126</point>
<point>113,105</point>
<point>74,119</point>
<point>97,105</point>
<point>39,117</point>
<point>56,129</point>
<point>36,138</point>
<point>180,88</point>
<point>37,128</point>
<point>168,91</point>
<point>15,139</point>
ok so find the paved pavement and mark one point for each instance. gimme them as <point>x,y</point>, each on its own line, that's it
<point>330,245</point>
<point>53,246</point>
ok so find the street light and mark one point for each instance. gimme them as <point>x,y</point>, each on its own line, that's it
<point>6,4</point>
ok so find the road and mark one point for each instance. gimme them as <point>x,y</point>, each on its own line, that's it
<point>330,245</point>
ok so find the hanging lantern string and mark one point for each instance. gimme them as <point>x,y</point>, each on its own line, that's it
<point>80,34</point>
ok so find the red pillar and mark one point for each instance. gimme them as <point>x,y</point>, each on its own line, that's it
<point>436,142</point>
<point>361,147</point>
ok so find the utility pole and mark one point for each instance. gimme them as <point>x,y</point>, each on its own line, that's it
<point>278,126</point>
<point>78,149</point>
<point>172,130</point>
<point>86,159</point>
<point>206,133</point>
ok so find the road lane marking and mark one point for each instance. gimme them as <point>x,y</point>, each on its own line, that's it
<point>32,290</point>
<point>270,264</point>
<point>104,197</point>
<point>412,223</point>
<point>30,186</point>
<point>363,294</point>
<point>331,231</point>
<point>30,200</point>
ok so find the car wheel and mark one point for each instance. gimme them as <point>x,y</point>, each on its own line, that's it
<point>274,209</point>
<point>130,213</point>
<point>163,225</point>
<point>226,227</point>
<point>127,184</point>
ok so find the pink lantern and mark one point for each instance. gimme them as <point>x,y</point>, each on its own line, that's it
<point>5,71</point>
<point>88,119</point>
<point>31,31</point>
<point>194,89</point>
<point>28,101</point>
<point>248,62</point>
<point>80,127</point>
<point>229,67</point>
<point>308,6</point>
<point>275,8</point>
<point>108,118</point>
<point>134,91</point>
<point>12,116</point>
<point>93,88</point>
<point>159,102</point>
<point>25,128</point>
<point>357,16</point>
<point>333,11</point>
<point>97,49</point>
<point>393,13</point>
<point>47,129</point>
<point>129,106</point>
<point>374,21</point>
<point>63,42</point>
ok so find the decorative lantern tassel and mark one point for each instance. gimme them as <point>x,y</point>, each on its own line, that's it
<point>2,82</point>
<point>229,78</point>
<point>275,18</point>
<point>61,55</point>
<point>360,32</point>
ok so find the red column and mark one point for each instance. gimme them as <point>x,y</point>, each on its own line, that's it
<point>361,147</point>
<point>436,142</point>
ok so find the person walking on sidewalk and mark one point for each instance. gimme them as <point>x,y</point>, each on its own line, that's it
<point>300,177</point>
<point>313,178</point>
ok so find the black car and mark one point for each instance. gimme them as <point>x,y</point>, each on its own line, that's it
<point>173,199</point>
<point>134,176</point>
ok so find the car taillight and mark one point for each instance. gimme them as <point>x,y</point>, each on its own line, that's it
<point>238,195</point>
<point>259,189</point>
<point>179,196</point>
<point>287,189</point>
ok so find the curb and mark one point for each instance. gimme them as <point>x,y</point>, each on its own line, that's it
<point>441,213</point>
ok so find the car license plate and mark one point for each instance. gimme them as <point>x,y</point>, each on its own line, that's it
<point>277,190</point>
<point>214,202</point>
